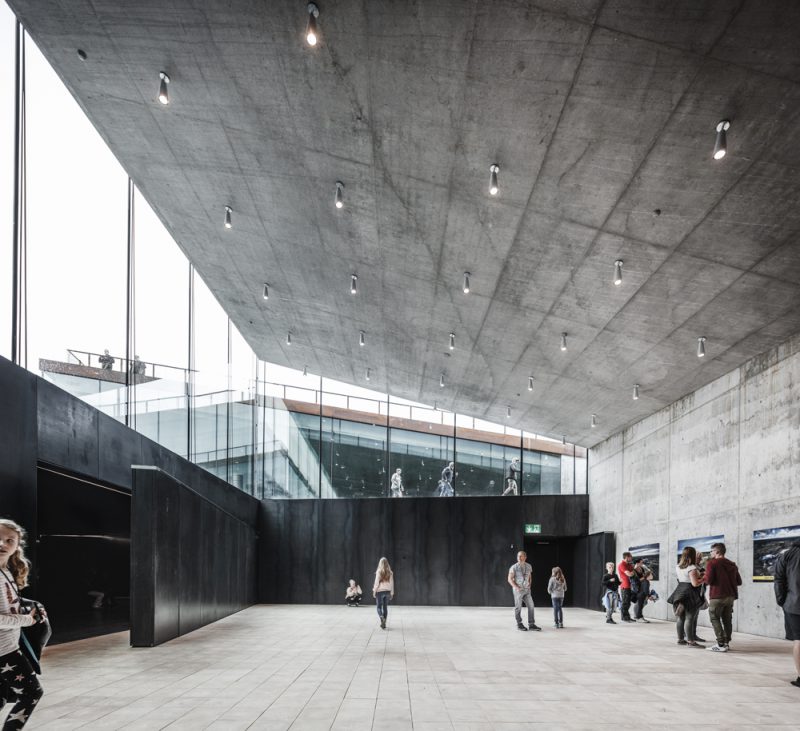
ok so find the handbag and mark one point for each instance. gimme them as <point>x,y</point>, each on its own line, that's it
<point>32,639</point>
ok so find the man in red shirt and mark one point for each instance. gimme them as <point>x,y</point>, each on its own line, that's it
<point>625,571</point>
<point>722,578</point>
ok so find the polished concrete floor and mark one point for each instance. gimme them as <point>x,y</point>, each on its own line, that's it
<point>313,667</point>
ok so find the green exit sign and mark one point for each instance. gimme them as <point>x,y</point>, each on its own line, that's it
<point>532,528</point>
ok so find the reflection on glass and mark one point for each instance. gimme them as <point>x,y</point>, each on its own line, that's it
<point>353,457</point>
<point>483,468</point>
<point>541,473</point>
<point>421,456</point>
<point>241,405</point>
<point>7,36</point>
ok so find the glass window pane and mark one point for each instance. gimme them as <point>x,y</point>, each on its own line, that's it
<point>241,405</point>
<point>77,208</point>
<point>7,53</point>
<point>421,457</point>
<point>483,468</point>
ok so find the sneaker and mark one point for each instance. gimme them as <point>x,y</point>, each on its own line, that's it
<point>534,628</point>
<point>681,642</point>
<point>692,643</point>
<point>796,683</point>
<point>642,619</point>
<point>610,621</point>
<point>718,648</point>
<point>627,619</point>
<point>699,639</point>
<point>383,623</point>
<point>522,628</point>
<point>561,626</point>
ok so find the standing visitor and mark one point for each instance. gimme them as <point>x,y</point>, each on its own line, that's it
<point>556,588</point>
<point>519,578</point>
<point>787,594</point>
<point>383,590</point>
<point>19,685</point>
<point>446,481</point>
<point>723,579</point>
<point>625,571</point>
<point>610,583</point>
<point>512,484</point>
<point>686,599</point>
<point>397,483</point>
<point>643,578</point>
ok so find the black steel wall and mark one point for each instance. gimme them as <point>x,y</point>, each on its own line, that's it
<point>588,565</point>
<point>443,550</point>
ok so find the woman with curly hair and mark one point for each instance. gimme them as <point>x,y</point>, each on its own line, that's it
<point>18,682</point>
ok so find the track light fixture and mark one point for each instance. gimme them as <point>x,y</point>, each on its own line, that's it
<point>452,341</point>
<point>362,338</point>
<point>163,91</point>
<point>339,194</point>
<point>368,373</point>
<point>265,293</point>
<point>635,391</point>
<point>354,284</point>
<point>701,347</point>
<point>564,440</point>
<point>564,342</point>
<point>305,370</point>
<point>289,337</point>
<point>508,412</point>
<point>493,189</point>
<point>441,381</point>
<point>721,143</point>
<point>530,383</point>
<point>466,282</point>
<point>618,272</point>
<point>228,220</point>
<point>311,29</point>
<point>594,420</point>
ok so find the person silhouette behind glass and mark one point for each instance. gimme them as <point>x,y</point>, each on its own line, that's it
<point>397,483</point>
<point>106,361</point>
<point>512,486</point>
<point>446,483</point>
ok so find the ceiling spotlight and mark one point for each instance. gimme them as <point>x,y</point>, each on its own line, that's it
<point>452,341</point>
<point>163,92</point>
<point>311,29</point>
<point>354,284</point>
<point>265,293</point>
<point>721,144</point>
<point>228,221</point>
<point>339,194</point>
<point>594,420</point>
<point>441,381</point>
<point>701,347</point>
<point>563,342</point>
<point>289,337</point>
<point>493,189</point>
<point>362,338</point>
<point>508,412</point>
<point>305,370</point>
<point>635,391</point>
<point>618,272</point>
<point>564,440</point>
<point>530,383</point>
<point>368,373</point>
<point>466,283</point>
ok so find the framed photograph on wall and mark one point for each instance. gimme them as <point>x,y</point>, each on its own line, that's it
<point>701,544</point>
<point>768,544</point>
<point>650,554</point>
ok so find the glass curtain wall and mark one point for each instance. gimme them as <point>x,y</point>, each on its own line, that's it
<point>242,413</point>
<point>7,91</point>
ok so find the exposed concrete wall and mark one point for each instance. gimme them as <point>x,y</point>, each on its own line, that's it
<point>723,460</point>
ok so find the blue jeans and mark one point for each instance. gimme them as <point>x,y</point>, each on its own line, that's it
<point>558,614</point>
<point>382,604</point>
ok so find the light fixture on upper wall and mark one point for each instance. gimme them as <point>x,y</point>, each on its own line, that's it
<point>701,347</point>
<point>163,91</point>
<point>368,373</point>
<point>265,292</point>
<point>618,272</point>
<point>465,286</point>
<point>721,143</point>
<point>339,194</point>
<point>289,337</point>
<point>493,187</point>
<point>635,391</point>
<point>452,341</point>
<point>594,420</point>
<point>305,370</point>
<point>362,338</point>
<point>228,217</point>
<point>354,284</point>
<point>530,383</point>
<point>563,342</point>
<point>311,28</point>
<point>441,381</point>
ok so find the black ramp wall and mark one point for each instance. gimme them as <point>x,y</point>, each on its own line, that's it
<point>444,551</point>
<point>589,560</point>
<point>192,562</point>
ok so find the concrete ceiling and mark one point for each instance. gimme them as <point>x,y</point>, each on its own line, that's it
<point>601,116</point>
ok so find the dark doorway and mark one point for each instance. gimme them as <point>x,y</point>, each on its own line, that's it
<point>543,555</point>
<point>83,555</point>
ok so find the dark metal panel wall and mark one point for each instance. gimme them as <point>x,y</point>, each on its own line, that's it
<point>192,562</point>
<point>444,551</point>
<point>589,559</point>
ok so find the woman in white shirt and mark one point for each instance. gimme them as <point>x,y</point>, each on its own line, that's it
<point>383,590</point>
<point>687,597</point>
<point>352,594</point>
<point>18,682</point>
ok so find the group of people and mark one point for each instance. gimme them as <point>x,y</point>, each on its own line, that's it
<point>445,486</point>
<point>631,586</point>
<point>519,578</point>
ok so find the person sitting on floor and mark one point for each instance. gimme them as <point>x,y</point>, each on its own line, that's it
<point>352,596</point>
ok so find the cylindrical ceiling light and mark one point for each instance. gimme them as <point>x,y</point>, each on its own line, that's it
<point>339,194</point>
<point>265,293</point>
<point>564,341</point>
<point>228,218</point>
<point>362,338</point>
<point>466,283</point>
<point>635,391</point>
<point>493,187</point>
<point>564,440</point>
<point>311,28</point>
<point>289,337</point>
<point>368,373</point>
<point>530,383</point>
<point>305,370</point>
<point>354,284</point>
<point>701,347</point>
<point>163,91</point>
<point>594,420</point>
<point>618,272</point>
<point>721,143</point>
<point>452,341</point>
<point>508,412</point>
<point>441,381</point>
